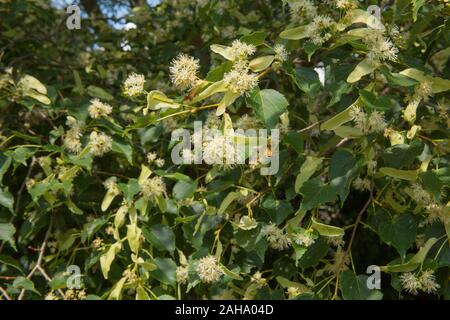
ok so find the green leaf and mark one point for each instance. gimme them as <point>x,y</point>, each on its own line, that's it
<point>231,274</point>
<point>344,167</point>
<point>5,162</point>
<point>402,155</point>
<point>397,78</point>
<point>78,83</point>
<point>348,132</point>
<point>310,48</point>
<point>416,5</point>
<point>228,98</point>
<point>109,197</point>
<point>7,199</point>
<point>130,189</point>
<point>252,241</point>
<point>315,193</point>
<point>410,175</point>
<point>414,262</point>
<point>355,287</point>
<point>21,155</point>
<point>24,283</point>
<point>116,291</point>
<point>285,283</point>
<point>141,294</point>
<point>373,102</point>
<point>37,96</point>
<point>183,189</point>
<point>363,16</point>
<point>107,258</point>
<point>338,120</point>
<point>307,169</point>
<point>224,51</point>
<point>227,201</point>
<point>121,146</point>
<point>294,33</point>
<point>255,38</point>
<point>306,80</point>
<point>166,271</point>
<point>158,100</point>
<point>398,231</point>
<point>268,104</point>
<point>28,82</point>
<point>261,63</point>
<point>160,236</point>
<point>432,183</point>
<point>7,231</point>
<point>314,254</point>
<point>326,230</point>
<point>133,237</point>
<point>10,261</point>
<point>100,93</point>
<point>214,88</point>
<point>216,74</point>
<point>278,210</point>
<point>173,175</point>
<point>438,85</point>
<point>92,227</point>
<point>363,68</point>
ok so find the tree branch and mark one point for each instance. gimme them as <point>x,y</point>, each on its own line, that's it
<point>40,257</point>
<point>5,294</point>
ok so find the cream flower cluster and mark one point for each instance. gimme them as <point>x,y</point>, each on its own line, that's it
<point>153,158</point>
<point>100,143</point>
<point>240,80</point>
<point>341,261</point>
<point>182,274</point>
<point>110,185</point>
<point>426,282</point>
<point>435,211</point>
<point>373,123</point>
<point>281,53</point>
<point>303,239</point>
<point>183,71</point>
<point>240,50</point>
<point>72,137</point>
<point>381,48</point>
<point>218,150</point>
<point>320,29</point>
<point>208,269</point>
<point>303,9</point>
<point>362,184</point>
<point>346,4</point>
<point>134,85</point>
<point>246,122</point>
<point>98,109</point>
<point>276,237</point>
<point>153,187</point>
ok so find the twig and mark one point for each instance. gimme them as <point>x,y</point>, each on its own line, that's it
<point>47,277</point>
<point>358,219</point>
<point>308,127</point>
<point>40,257</point>
<point>349,247</point>
<point>340,144</point>
<point>5,294</point>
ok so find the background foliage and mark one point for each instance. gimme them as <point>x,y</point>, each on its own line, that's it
<point>357,189</point>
